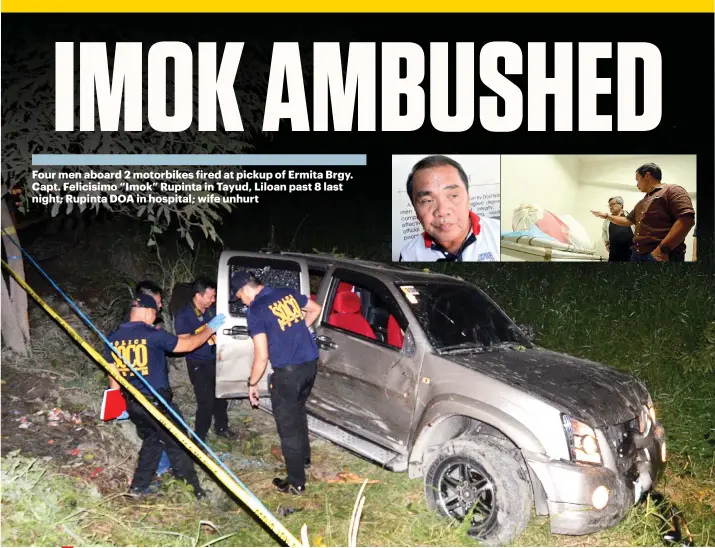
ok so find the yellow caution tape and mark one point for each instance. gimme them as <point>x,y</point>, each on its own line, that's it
<point>248,498</point>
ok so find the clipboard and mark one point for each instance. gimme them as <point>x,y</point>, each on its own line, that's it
<point>113,404</point>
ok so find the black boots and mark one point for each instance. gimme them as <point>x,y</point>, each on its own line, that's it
<point>284,487</point>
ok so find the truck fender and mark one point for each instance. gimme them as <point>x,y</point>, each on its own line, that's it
<point>447,417</point>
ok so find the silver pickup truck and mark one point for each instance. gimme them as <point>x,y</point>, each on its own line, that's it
<point>423,373</point>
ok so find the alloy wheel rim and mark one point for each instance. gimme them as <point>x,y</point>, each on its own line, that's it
<point>464,486</point>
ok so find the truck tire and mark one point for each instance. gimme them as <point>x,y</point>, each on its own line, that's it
<point>484,474</point>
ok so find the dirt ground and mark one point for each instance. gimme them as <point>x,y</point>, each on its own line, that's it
<point>40,419</point>
<point>44,419</point>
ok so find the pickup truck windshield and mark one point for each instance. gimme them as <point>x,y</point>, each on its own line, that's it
<point>457,317</point>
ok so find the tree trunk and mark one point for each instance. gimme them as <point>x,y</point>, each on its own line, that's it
<point>15,320</point>
<point>11,334</point>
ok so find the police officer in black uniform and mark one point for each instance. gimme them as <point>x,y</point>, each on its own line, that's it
<point>144,348</point>
<point>278,321</point>
<point>201,363</point>
<point>147,287</point>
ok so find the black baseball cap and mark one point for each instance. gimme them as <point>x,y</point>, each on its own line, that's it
<point>238,280</point>
<point>145,301</point>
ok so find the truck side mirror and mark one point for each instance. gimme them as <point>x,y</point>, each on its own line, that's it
<point>409,345</point>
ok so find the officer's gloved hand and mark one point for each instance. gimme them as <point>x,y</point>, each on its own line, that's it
<point>217,322</point>
<point>124,416</point>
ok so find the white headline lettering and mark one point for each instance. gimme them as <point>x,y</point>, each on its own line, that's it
<point>349,96</point>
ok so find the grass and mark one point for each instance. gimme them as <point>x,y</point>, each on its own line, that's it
<point>394,513</point>
<point>654,322</point>
<point>43,507</point>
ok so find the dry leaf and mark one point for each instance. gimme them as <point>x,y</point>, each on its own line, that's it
<point>276,452</point>
<point>348,477</point>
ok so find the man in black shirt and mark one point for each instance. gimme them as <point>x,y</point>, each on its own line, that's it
<point>618,239</point>
<point>145,348</point>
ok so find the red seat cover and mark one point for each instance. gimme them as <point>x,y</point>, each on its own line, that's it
<point>394,333</point>
<point>346,315</point>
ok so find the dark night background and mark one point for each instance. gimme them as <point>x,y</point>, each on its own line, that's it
<point>687,96</point>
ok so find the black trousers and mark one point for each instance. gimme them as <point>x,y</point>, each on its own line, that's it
<point>290,389</point>
<point>619,253</point>
<point>203,377</point>
<point>621,240</point>
<point>155,440</point>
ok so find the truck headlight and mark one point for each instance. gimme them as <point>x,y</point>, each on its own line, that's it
<point>645,420</point>
<point>581,440</point>
<point>651,408</point>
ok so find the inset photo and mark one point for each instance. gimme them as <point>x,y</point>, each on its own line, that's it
<point>445,207</point>
<point>599,208</point>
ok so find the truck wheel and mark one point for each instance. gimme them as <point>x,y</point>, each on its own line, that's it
<point>486,476</point>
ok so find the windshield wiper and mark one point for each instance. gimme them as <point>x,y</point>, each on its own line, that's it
<point>464,347</point>
<point>470,347</point>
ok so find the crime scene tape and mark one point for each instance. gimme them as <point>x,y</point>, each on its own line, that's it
<point>248,498</point>
<point>140,377</point>
<point>151,389</point>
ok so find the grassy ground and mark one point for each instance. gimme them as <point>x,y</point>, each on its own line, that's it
<point>53,505</point>
<point>48,504</point>
<point>63,483</point>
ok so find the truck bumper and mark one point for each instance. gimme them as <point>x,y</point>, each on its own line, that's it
<point>569,487</point>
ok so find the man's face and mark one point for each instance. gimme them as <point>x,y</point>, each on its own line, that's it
<point>643,182</point>
<point>615,207</point>
<point>157,298</point>
<point>245,295</point>
<point>207,298</point>
<point>441,203</point>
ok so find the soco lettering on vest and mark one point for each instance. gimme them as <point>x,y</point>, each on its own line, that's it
<point>287,310</point>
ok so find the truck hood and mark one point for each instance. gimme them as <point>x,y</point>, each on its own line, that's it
<point>595,393</point>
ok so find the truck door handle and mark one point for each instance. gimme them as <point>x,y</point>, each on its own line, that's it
<point>326,343</point>
<point>236,331</point>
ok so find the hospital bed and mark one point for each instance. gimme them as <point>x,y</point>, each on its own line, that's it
<point>528,248</point>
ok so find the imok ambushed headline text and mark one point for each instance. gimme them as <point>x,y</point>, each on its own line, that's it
<point>352,94</point>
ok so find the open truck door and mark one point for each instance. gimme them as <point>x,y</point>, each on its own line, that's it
<point>234,350</point>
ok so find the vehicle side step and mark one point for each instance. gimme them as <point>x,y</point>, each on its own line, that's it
<point>389,459</point>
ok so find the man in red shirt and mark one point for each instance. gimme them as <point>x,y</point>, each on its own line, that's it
<point>662,218</point>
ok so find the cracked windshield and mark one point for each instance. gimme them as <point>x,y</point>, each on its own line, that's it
<point>459,318</point>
